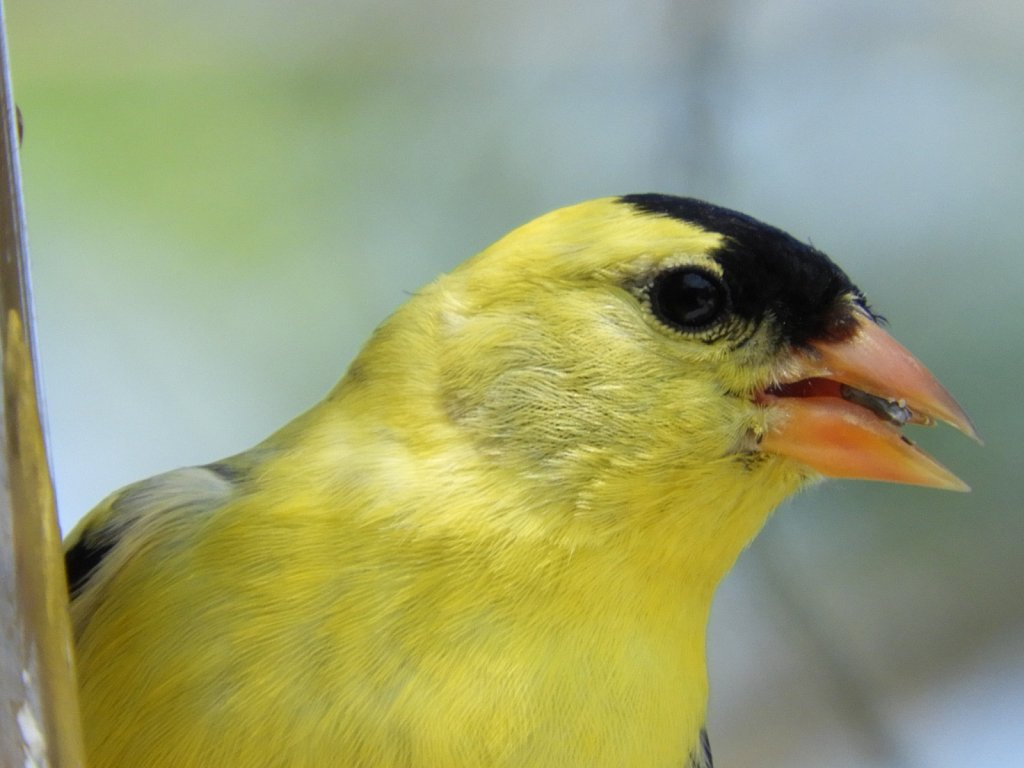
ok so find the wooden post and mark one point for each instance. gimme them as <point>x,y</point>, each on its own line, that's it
<point>39,722</point>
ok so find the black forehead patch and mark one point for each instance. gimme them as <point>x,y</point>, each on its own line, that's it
<point>767,270</point>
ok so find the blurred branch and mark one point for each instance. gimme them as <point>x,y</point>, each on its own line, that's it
<point>39,718</point>
<point>706,82</point>
<point>835,670</point>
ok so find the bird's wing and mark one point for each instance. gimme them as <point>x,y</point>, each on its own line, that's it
<point>101,541</point>
<point>702,760</point>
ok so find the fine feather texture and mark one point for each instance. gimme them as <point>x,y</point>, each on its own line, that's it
<point>495,542</point>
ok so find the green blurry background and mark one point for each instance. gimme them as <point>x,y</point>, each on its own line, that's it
<point>224,198</point>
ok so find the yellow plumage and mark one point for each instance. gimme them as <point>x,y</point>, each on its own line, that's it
<point>494,543</point>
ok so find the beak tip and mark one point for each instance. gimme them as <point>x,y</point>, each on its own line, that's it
<point>949,410</point>
<point>937,476</point>
<point>959,486</point>
<point>972,432</point>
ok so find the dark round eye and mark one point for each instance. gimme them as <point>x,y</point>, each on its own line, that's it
<point>688,299</point>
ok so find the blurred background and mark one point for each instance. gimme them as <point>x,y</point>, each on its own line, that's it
<point>225,197</point>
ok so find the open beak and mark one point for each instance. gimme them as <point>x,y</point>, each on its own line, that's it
<point>842,405</point>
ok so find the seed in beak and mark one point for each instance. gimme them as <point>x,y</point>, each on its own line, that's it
<point>894,412</point>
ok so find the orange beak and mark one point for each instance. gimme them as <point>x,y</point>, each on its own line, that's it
<point>842,406</point>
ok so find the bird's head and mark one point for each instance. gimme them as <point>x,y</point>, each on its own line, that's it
<point>651,340</point>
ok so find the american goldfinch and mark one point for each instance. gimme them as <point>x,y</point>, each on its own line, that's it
<point>496,541</point>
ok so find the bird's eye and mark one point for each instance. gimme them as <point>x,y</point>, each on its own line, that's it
<point>687,299</point>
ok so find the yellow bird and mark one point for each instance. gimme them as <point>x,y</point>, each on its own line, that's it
<point>496,541</point>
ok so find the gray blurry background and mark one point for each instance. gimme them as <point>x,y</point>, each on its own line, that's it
<point>225,197</point>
